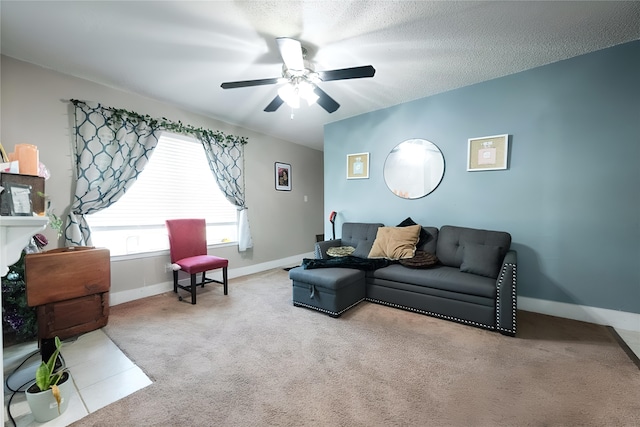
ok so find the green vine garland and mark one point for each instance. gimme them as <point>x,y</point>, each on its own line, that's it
<point>120,115</point>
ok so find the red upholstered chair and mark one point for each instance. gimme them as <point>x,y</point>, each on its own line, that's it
<point>188,248</point>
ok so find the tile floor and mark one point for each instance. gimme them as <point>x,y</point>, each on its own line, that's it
<point>94,388</point>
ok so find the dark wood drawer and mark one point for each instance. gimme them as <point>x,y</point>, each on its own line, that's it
<point>72,317</point>
<point>66,273</point>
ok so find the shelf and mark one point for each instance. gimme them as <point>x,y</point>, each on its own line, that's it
<point>15,233</point>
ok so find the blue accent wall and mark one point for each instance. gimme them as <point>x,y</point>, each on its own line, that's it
<point>570,197</point>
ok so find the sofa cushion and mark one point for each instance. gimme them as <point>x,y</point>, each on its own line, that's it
<point>395,242</point>
<point>448,279</point>
<point>451,240</point>
<point>480,259</point>
<point>329,278</point>
<point>421,259</point>
<point>357,233</point>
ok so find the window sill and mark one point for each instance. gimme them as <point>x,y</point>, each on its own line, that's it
<point>141,255</point>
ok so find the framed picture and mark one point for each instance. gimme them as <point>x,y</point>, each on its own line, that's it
<point>283,177</point>
<point>488,153</point>
<point>19,199</point>
<point>358,166</point>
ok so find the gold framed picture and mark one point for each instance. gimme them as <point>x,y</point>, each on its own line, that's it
<point>488,153</point>
<point>358,166</point>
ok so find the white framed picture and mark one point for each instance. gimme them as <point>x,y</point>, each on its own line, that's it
<point>488,153</point>
<point>358,166</point>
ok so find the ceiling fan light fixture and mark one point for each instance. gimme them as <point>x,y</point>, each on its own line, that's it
<point>311,99</point>
<point>306,91</point>
<point>296,89</point>
<point>289,94</point>
<point>300,80</point>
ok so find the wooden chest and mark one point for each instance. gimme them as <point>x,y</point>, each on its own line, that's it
<point>70,288</point>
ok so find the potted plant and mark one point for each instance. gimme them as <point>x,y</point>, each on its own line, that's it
<point>49,396</point>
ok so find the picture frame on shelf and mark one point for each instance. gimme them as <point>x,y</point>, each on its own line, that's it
<point>488,153</point>
<point>283,176</point>
<point>19,199</point>
<point>358,166</point>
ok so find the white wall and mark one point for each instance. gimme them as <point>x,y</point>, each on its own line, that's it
<point>35,110</point>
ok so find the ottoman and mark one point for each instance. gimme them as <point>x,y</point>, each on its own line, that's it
<point>329,290</point>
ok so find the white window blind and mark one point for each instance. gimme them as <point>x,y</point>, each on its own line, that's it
<point>176,183</point>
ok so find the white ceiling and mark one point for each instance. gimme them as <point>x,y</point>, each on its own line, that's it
<point>181,51</point>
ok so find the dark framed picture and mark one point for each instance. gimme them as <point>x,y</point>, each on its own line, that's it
<point>19,199</point>
<point>283,176</point>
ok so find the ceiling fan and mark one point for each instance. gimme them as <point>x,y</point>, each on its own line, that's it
<point>300,80</point>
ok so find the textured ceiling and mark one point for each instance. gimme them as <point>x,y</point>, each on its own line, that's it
<point>180,51</point>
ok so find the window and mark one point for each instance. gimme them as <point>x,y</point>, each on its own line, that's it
<point>176,183</point>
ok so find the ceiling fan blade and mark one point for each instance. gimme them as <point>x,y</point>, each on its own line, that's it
<point>325,101</point>
<point>246,83</point>
<point>274,105</point>
<point>347,73</point>
<point>291,52</point>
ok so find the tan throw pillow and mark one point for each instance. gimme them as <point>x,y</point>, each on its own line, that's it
<point>395,242</point>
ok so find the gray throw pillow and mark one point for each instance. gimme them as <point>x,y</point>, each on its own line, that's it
<point>483,260</point>
<point>363,249</point>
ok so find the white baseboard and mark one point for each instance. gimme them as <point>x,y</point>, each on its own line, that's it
<point>600,316</point>
<point>278,263</point>
<point>121,297</point>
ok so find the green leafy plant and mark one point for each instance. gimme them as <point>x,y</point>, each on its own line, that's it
<point>46,376</point>
<point>120,115</point>
<point>55,222</point>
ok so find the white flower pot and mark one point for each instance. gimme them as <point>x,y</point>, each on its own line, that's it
<point>44,406</point>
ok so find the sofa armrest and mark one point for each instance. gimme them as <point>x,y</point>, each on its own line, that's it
<point>320,251</point>
<point>506,303</point>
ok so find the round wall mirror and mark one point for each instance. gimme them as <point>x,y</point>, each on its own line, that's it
<point>414,168</point>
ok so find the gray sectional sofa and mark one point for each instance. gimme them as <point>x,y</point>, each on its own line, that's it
<point>473,283</point>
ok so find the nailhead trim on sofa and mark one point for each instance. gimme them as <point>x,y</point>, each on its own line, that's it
<point>431,313</point>
<point>331,313</point>
<point>513,300</point>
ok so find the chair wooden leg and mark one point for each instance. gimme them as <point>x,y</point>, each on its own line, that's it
<point>193,289</point>
<point>204,278</point>
<point>224,279</point>
<point>175,281</point>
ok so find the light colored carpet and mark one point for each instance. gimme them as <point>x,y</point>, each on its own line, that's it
<point>252,359</point>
